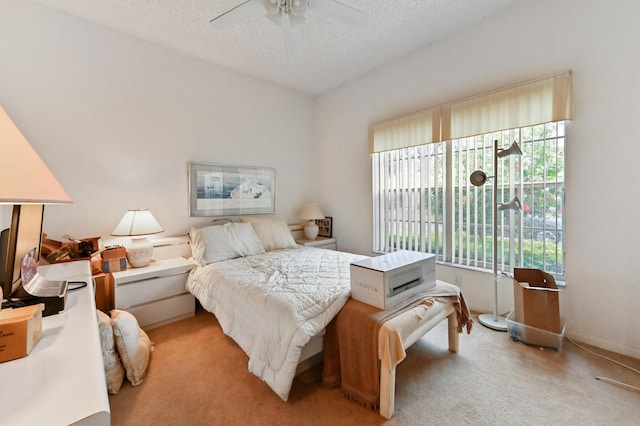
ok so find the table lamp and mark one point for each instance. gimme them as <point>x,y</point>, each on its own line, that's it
<point>137,224</point>
<point>24,180</point>
<point>311,212</point>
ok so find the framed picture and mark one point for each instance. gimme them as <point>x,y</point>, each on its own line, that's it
<point>220,190</point>
<point>324,226</point>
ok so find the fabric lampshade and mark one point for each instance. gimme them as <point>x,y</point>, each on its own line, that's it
<point>24,177</point>
<point>311,212</point>
<point>138,224</point>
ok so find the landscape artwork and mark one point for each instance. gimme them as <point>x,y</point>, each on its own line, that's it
<point>220,190</point>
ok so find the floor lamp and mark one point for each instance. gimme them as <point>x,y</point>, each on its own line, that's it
<point>479,178</point>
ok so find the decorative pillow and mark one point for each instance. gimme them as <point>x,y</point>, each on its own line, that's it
<point>209,244</point>
<point>113,369</point>
<point>242,240</point>
<point>221,242</point>
<point>133,345</point>
<point>274,233</point>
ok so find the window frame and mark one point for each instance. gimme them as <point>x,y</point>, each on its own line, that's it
<point>453,217</point>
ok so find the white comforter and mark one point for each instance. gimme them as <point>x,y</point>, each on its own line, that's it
<point>272,304</point>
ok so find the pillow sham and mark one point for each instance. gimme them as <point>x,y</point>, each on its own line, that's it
<point>133,345</point>
<point>209,244</point>
<point>274,233</point>
<point>242,240</point>
<point>113,369</point>
<point>221,242</point>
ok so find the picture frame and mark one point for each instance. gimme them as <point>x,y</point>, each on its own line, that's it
<point>223,190</point>
<point>325,226</point>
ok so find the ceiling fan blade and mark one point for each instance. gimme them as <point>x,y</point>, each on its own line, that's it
<point>339,11</point>
<point>243,11</point>
<point>292,38</point>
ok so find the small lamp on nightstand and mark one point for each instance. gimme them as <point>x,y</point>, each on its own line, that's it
<point>311,212</point>
<point>137,224</point>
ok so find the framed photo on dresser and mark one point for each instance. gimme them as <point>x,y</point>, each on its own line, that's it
<point>325,226</point>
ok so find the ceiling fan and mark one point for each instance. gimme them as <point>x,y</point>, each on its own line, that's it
<point>290,14</point>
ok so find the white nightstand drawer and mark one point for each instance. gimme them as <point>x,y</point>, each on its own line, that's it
<point>320,242</point>
<point>135,293</point>
<point>164,311</point>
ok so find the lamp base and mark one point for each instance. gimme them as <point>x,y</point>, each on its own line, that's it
<point>311,230</point>
<point>139,252</point>
<point>496,323</point>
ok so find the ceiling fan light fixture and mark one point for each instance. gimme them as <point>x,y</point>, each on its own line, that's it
<point>298,7</point>
<point>286,7</point>
<point>290,14</point>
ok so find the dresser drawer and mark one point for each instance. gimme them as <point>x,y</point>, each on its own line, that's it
<point>135,293</point>
<point>164,311</point>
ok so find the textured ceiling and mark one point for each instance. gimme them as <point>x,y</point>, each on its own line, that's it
<point>334,52</point>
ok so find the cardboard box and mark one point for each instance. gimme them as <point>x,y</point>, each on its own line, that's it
<point>20,330</point>
<point>114,259</point>
<point>385,281</point>
<point>114,253</point>
<point>536,301</point>
<point>114,265</point>
<point>83,248</point>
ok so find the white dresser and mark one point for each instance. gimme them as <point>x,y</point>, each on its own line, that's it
<point>155,294</point>
<point>62,380</point>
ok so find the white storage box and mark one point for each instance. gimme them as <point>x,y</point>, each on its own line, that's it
<point>535,336</point>
<point>387,280</point>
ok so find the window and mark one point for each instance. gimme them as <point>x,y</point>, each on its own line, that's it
<point>423,200</point>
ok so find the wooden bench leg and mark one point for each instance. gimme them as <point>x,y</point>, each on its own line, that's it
<point>453,332</point>
<point>387,391</point>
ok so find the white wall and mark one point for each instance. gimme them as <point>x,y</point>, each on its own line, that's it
<point>117,120</point>
<point>596,40</point>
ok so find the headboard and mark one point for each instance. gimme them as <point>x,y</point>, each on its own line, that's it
<point>297,231</point>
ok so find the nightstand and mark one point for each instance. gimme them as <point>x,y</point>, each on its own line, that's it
<point>155,294</point>
<point>320,242</point>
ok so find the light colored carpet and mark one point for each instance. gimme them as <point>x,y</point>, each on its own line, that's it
<point>198,376</point>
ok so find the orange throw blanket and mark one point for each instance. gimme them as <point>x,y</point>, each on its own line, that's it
<point>351,342</point>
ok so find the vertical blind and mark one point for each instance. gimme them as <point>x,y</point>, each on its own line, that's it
<point>533,102</point>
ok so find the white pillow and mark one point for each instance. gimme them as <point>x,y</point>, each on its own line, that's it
<point>209,244</point>
<point>133,345</point>
<point>242,240</point>
<point>221,242</point>
<point>113,369</point>
<point>274,233</point>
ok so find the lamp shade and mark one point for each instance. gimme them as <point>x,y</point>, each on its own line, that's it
<point>137,222</point>
<point>24,177</point>
<point>478,178</point>
<point>514,149</point>
<point>311,212</point>
<point>514,204</point>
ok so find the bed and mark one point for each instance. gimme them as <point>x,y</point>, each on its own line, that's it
<point>271,296</point>
<point>275,298</point>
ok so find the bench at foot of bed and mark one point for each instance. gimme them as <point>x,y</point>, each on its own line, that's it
<point>397,334</point>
